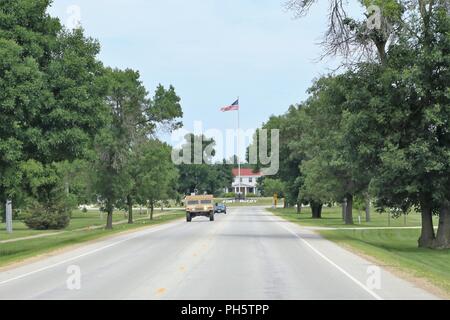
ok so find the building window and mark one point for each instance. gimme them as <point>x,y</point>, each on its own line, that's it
<point>250,180</point>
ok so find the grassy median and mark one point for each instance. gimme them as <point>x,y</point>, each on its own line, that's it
<point>395,248</point>
<point>82,229</point>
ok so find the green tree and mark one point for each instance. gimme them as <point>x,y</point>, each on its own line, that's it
<point>338,159</point>
<point>157,176</point>
<point>198,172</point>
<point>20,82</point>
<point>272,186</point>
<point>76,179</point>
<point>291,126</point>
<point>162,113</point>
<point>405,99</point>
<point>415,162</point>
<point>127,99</point>
<point>52,98</point>
<point>133,118</point>
<point>50,205</point>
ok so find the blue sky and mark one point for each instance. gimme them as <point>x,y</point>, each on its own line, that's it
<point>212,51</point>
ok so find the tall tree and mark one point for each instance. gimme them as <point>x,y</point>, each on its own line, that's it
<point>133,118</point>
<point>157,176</point>
<point>337,162</point>
<point>409,95</point>
<point>415,159</point>
<point>20,84</point>
<point>198,172</point>
<point>162,113</point>
<point>291,129</point>
<point>52,103</point>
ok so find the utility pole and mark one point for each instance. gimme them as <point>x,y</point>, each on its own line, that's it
<point>9,226</point>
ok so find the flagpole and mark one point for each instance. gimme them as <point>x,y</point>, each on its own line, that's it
<point>238,148</point>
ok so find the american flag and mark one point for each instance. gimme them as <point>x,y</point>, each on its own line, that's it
<point>232,107</point>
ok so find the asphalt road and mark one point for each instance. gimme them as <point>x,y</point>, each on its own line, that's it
<point>247,254</point>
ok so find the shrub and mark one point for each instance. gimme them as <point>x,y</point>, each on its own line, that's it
<point>48,216</point>
<point>50,202</point>
<point>229,195</point>
<point>50,220</point>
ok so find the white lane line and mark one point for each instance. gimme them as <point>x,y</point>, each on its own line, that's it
<point>364,228</point>
<point>86,254</point>
<point>373,294</point>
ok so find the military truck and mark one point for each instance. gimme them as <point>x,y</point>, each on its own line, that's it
<point>199,206</point>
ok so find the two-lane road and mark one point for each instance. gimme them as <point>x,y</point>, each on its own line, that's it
<point>247,254</point>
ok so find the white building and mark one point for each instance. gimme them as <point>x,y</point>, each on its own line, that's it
<point>248,183</point>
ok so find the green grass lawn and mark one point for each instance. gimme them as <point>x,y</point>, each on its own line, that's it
<point>20,250</point>
<point>95,218</point>
<point>79,220</point>
<point>332,217</point>
<point>20,230</point>
<point>396,248</point>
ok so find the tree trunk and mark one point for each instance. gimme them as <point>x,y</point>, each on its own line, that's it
<point>316,209</point>
<point>427,235</point>
<point>109,220</point>
<point>443,234</point>
<point>381,48</point>
<point>368,218</point>
<point>152,208</point>
<point>3,211</point>
<point>367,208</point>
<point>349,210</point>
<point>299,207</point>
<point>344,209</point>
<point>130,209</point>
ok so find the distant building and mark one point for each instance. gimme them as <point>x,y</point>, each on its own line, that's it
<point>248,184</point>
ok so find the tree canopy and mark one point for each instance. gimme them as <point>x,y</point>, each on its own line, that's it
<point>380,127</point>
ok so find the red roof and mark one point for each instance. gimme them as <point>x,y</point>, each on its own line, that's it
<point>246,173</point>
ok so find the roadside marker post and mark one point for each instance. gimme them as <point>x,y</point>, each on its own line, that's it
<point>9,227</point>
